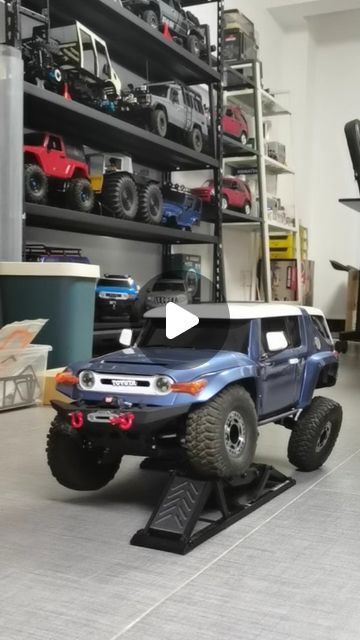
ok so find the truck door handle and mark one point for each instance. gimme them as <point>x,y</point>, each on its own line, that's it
<point>294,361</point>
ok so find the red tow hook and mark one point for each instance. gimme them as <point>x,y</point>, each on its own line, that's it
<point>124,421</point>
<point>76,419</point>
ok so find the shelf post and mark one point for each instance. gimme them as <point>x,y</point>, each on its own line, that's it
<point>262,179</point>
<point>11,160</point>
<point>218,270</point>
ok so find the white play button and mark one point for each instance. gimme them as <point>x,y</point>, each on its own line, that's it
<point>178,320</point>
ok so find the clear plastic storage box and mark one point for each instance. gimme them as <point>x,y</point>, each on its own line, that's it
<point>22,376</point>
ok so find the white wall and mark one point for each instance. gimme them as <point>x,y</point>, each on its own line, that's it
<point>319,64</point>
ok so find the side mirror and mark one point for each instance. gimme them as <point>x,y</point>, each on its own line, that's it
<point>126,337</point>
<point>276,341</point>
<point>341,346</point>
<point>106,69</point>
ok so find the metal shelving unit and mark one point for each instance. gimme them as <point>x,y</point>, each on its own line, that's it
<point>45,110</point>
<point>160,60</point>
<point>259,104</point>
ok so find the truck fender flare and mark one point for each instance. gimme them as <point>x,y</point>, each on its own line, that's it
<point>246,377</point>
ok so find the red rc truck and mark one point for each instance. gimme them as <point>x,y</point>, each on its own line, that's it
<point>235,194</point>
<point>235,123</point>
<point>56,165</point>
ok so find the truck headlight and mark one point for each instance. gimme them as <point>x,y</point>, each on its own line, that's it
<point>102,295</point>
<point>163,384</point>
<point>87,380</point>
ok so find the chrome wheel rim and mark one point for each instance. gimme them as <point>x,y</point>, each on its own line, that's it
<point>235,434</point>
<point>324,437</point>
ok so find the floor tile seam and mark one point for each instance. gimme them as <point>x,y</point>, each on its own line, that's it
<point>209,565</point>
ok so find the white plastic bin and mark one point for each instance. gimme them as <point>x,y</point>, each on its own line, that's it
<point>22,376</point>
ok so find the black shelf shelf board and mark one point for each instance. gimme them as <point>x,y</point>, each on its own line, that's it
<point>234,80</point>
<point>209,215</point>
<point>155,58</point>
<point>352,203</point>
<point>47,217</point>
<point>47,111</point>
<point>232,146</point>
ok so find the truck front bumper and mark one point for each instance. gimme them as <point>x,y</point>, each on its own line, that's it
<point>133,421</point>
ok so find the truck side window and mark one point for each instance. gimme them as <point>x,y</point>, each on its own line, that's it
<point>174,96</point>
<point>104,66</point>
<point>288,325</point>
<point>54,144</point>
<point>88,52</point>
<point>320,326</point>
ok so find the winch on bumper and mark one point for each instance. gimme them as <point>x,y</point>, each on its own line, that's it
<point>137,420</point>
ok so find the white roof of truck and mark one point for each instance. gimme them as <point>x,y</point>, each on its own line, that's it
<point>239,310</point>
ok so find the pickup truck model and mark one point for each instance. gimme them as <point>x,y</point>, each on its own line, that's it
<point>169,107</point>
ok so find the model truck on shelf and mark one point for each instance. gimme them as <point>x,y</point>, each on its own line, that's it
<point>53,165</point>
<point>73,61</point>
<point>184,27</point>
<point>122,192</point>
<point>170,289</point>
<point>116,296</point>
<point>181,210</point>
<point>235,124</point>
<point>169,108</point>
<point>200,398</point>
<point>235,194</point>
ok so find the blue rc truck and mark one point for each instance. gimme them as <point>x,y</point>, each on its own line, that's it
<point>181,210</point>
<point>201,397</point>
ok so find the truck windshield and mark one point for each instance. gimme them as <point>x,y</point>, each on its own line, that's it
<point>106,282</point>
<point>220,335</point>
<point>169,286</point>
<point>159,90</point>
<point>34,139</point>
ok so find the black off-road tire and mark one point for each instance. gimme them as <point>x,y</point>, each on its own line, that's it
<point>80,195</point>
<point>159,122</point>
<point>151,204</point>
<point>205,436</point>
<point>35,184</point>
<point>195,140</point>
<point>73,465</point>
<point>315,434</point>
<point>193,45</point>
<point>120,196</point>
<point>151,18</point>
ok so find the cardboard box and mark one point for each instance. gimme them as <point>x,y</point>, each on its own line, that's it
<point>353,292</point>
<point>352,299</point>
<point>284,281</point>
<point>50,392</point>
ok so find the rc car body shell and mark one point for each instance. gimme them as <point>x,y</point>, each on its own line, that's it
<point>285,387</point>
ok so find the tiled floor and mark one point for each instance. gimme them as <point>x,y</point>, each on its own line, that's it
<point>289,571</point>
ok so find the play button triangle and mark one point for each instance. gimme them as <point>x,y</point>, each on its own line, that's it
<point>178,320</point>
